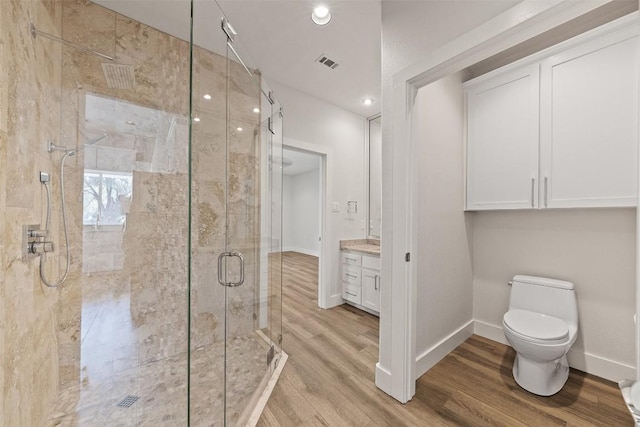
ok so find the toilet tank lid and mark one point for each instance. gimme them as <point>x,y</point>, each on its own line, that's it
<point>543,281</point>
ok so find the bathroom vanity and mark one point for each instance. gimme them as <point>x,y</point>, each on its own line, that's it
<point>360,271</point>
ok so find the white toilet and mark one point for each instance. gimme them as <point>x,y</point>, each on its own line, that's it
<point>541,325</point>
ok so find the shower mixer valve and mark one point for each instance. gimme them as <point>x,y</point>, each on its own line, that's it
<point>39,248</point>
<point>34,243</point>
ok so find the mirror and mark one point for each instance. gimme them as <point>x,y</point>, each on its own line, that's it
<point>374,211</point>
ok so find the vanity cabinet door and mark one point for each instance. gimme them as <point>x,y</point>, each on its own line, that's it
<point>589,124</point>
<point>502,140</point>
<point>371,289</point>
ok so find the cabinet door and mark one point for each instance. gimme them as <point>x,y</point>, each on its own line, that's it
<point>502,140</point>
<point>589,124</point>
<point>371,289</point>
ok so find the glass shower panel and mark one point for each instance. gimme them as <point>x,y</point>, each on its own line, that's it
<point>274,134</point>
<point>208,202</point>
<point>122,328</point>
<point>231,355</point>
<point>171,177</point>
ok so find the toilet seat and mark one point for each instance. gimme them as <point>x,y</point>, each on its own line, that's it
<point>536,327</point>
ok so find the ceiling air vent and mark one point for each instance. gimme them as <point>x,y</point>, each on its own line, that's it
<point>324,60</point>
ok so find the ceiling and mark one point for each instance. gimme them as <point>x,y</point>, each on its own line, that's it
<point>279,38</point>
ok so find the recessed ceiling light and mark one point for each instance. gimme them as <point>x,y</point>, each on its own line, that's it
<point>207,96</point>
<point>367,101</point>
<point>321,15</point>
<point>239,129</point>
<point>196,119</point>
<point>129,122</point>
<point>256,110</point>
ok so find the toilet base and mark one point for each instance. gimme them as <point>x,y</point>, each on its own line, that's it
<point>541,378</point>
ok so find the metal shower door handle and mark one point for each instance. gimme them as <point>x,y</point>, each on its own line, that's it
<point>223,280</point>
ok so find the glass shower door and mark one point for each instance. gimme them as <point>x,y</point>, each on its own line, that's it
<point>232,198</point>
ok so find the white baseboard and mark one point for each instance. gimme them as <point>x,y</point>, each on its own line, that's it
<point>383,379</point>
<point>605,368</point>
<point>301,250</point>
<point>433,355</point>
<point>487,330</point>
<point>590,363</point>
<point>334,301</point>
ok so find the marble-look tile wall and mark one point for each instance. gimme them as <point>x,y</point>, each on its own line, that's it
<point>29,114</point>
<point>43,96</point>
<point>224,185</point>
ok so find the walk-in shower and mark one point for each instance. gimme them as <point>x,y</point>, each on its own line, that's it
<point>159,186</point>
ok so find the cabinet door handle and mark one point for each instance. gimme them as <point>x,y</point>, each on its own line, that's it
<point>546,179</point>
<point>376,284</point>
<point>350,293</point>
<point>533,186</point>
<point>351,275</point>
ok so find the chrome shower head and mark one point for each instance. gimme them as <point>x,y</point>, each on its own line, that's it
<point>88,143</point>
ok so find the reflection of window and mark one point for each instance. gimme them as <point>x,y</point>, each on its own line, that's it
<point>106,197</point>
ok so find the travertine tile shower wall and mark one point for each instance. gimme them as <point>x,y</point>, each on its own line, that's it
<point>43,88</point>
<point>29,114</point>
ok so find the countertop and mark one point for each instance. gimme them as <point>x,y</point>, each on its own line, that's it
<point>365,246</point>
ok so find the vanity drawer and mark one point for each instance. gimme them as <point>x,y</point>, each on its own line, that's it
<point>372,262</point>
<point>351,294</point>
<point>351,259</point>
<point>351,275</point>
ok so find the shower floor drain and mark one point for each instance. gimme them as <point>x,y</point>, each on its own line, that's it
<point>128,401</point>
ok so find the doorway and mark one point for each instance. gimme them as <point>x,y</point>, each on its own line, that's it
<point>302,199</point>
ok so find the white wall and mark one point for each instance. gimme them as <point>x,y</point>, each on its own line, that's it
<point>596,247</point>
<point>410,31</point>
<point>301,213</point>
<point>310,120</point>
<point>593,248</point>
<point>444,276</point>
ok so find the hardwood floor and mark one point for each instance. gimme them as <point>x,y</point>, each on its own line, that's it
<point>329,378</point>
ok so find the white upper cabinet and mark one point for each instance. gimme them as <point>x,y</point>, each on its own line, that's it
<point>502,141</point>
<point>589,124</point>
<point>558,129</point>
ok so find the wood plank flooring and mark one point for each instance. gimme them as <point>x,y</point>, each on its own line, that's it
<point>329,378</point>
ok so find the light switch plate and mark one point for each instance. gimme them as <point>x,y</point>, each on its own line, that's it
<point>335,207</point>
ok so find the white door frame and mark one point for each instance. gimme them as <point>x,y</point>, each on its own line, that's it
<point>326,235</point>
<point>395,371</point>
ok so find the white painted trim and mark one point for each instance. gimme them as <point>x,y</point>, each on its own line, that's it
<point>590,363</point>
<point>327,242</point>
<point>430,357</point>
<point>383,378</point>
<point>602,367</point>
<point>397,318</point>
<point>334,301</point>
<point>492,332</point>
<point>301,250</point>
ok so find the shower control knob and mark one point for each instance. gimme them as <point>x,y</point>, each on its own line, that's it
<point>38,248</point>
<point>35,234</point>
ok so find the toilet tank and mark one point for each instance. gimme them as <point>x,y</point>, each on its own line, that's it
<point>553,297</point>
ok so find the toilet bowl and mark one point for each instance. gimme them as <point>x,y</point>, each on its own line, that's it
<point>541,326</point>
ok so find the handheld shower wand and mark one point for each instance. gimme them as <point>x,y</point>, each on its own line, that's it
<point>43,257</point>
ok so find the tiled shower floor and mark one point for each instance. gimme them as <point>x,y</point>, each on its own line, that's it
<point>162,390</point>
<point>116,362</point>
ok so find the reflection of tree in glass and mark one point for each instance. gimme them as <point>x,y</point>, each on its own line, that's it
<point>103,196</point>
